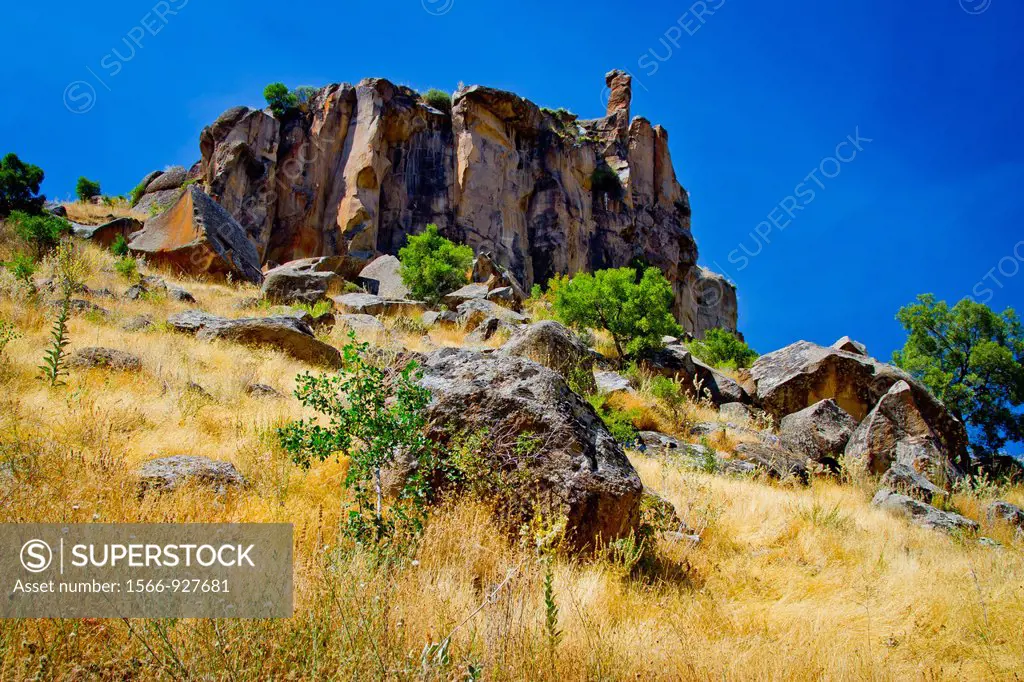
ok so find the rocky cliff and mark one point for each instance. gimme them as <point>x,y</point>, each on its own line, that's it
<point>358,168</point>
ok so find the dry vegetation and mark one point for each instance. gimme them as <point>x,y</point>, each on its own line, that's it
<point>787,583</point>
<point>88,213</point>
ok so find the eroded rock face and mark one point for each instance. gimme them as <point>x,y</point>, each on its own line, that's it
<point>298,282</point>
<point>554,346</point>
<point>105,234</point>
<point>544,193</point>
<point>820,431</point>
<point>197,236</point>
<point>576,466</point>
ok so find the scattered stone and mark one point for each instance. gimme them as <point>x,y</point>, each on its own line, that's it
<point>554,346</point>
<point>502,296</point>
<point>262,391</point>
<point>178,294</point>
<point>1009,513</point>
<point>467,293</point>
<point>820,431</point>
<point>383,278</point>
<point>907,481</point>
<point>677,362</point>
<point>922,514</point>
<point>299,282</point>
<point>191,321</point>
<point>486,271</point>
<point>775,461</point>
<point>139,323</point>
<point>612,382</point>
<point>368,304</point>
<point>80,306</point>
<point>848,345</point>
<point>107,358</point>
<point>136,292</point>
<point>488,329</point>
<point>474,311</point>
<point>168,473</point>
<point>445,317</point>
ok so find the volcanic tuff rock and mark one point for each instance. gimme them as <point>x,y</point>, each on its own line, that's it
<point>361,167</point>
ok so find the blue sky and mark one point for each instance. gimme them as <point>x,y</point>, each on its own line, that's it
<point>755,97</point>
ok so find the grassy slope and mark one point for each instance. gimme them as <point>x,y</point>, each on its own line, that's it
<point>788,583</point>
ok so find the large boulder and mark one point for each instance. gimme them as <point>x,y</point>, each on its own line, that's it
<point>898,432</point>
<point>679,363</point>
<point>299,282</point>
<point>368,304</point>
<point>488,272</point>
<point>106,358</point>
<point>777,462</point>
<point>554,346</point>
<point>285,333</point>
<point>1006,513</point>
<point>466,293</point>
<point>105,234</point>
<point>383,277</point>
<point>474,311</point>
<point>820,431</point>
<point>922,514</point>
<point>907,481</point>
<point>576,466</point>
<point>802,374</point>
<point>172,178</point>
<point>198,237</point>
<point>168,473</point>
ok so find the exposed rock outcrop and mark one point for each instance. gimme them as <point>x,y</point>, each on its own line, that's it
<point>168,473</point>
<point>820,431</point>
<point>105,234</point>
<point>299,282</point>
<point>922,514</point>
<point>679,363</point>
<point>364,166</point>
<point>554,346</point>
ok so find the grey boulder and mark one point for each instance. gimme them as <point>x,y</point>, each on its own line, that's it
<point>168,473</point>
<point>820,431</point>
<point>922,514</point>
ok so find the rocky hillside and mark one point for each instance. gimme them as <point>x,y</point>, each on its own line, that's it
<point>358,168</point>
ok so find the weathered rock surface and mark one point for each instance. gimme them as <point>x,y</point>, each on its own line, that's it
<point>922,514</point>
<point>1007,513</point>
<point>850,346</point>
<point>364,166</point>
<point>488,329</point>
<point>172,178</point>
<point>474,311</point>
<point>777,462</point>
<point>285,333</point>
<point>262,391</point>
<point>105,234</point>
<point>612,382</point>
<point>907,481</point>
<point>497,279</point>
<point>678,362</point>
<point>107,358</point>
<point>466,293</point>
<point>383,278</point>
<point>736,413</point>
<point>299,282</point>
<point>554,346</point>
<point>168,473</point>
<point>368,304</point>
<point>362,325</point>
<point>197,236</point>
<point>820,431</point>
<point>576,467</point>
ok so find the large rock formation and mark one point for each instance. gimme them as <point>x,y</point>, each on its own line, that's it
<point>359,168</point>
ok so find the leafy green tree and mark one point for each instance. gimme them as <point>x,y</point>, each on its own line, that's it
<point>19,186</point>
<point>972,359</point>
<point>433,266</point>
<point>280,99</point>
<point>87,189</point>
<point>439,99</point>
<point>720,348</point>
<point>303,94</point>
<point>43,232</point>
<point>636,311</point>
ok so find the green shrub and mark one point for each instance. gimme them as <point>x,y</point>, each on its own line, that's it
<point>280,99</point>
<point>119,247</point>
<point>19,186</point>
<point>618,422</point>
<point>127,268</point>
<point>68,272</point>
<point>433,266</point>
<point>138,193</point>
<point>720,348</point>
<point>8,333</point>
<point>372,416</point>
<point>303,94</point>
<point>43,232</point>
<point>22,267</point>
<point>439,99</point>
<point>87,189</point>
<point>636,312</point>
<point>606,181</point>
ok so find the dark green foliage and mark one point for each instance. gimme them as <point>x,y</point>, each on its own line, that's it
<point>280,99</point>
<point>618,422</point>
<point>119,247</point>
<point>972,359</point>
<point>127,268</point>
<point>637,312</point>
<point>67,274</point>
<point>373,416</point>
<point>303,94</point>
<point>439,99</point>
<point>42,232</point>
<point>87,189</point>
<point>720,348</point>
<point>433,266</point>
<point>19,186</point>
<point>606,181</point>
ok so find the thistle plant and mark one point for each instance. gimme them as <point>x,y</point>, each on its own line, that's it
<point>67,275</point>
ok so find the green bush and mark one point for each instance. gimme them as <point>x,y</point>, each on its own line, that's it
<point>720,348</point>
<point>127,268</point>
<point>280,99</point>
<point>637,312</point>
<point>87,189</point>
<point>433,266</point>
<point>303,94</point>
<point>19,186</point>
<point>618,422</point>
<point>372,417</point>
<point>22,267</point>
<point>606,181</point>
<point>138,193</point>
<point>43,232</point>
<point>119,247</point>
<point>439,99</point>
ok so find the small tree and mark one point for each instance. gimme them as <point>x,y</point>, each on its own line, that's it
<point>720,348</point>
<point>972,359</point>
<point>433,266</point>
<point>19,186</point>
<point>303,94</point>
<point>374,417</point>
<point>280,99</point>
<point>119,247</point>
<point>439,99</point>
<point>42,232</point>
<point>86,189</point>
<point>636,312</point>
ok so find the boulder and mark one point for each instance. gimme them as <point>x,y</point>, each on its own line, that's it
<point>369,304</point>
<point>487,329</point>
<point>850,346</point>
<point>106,358</point>
<point>777,462</point>
<point>105,234</point>
<point>897,431</point>
<point>474,311</point>
<point>139,323</point>
<point>135,292</point>
<point>576,467</point>
<point>736,413</point>
<point>802,374</point>
<point>444,317</point>
<point>612,382</point>
<point>1007,513</point>
<point>262,391</point>
<point>679,363</point>
<point>198,237</point>
<point>168,473</point>
<point>820,431</point>
<point>178,294</point>
<point>284,333</point>
<point>488,272</point>
<point>466,293</point>
<point>905,480</point>
<point>299,282</point>
<point>554,346</point>
<point>382,277</point>
<point>155,203</point>
<point>922,514</point>
<point>172,178</point>
<point>363,325</point>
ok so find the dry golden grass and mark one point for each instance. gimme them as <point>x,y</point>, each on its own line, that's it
<point>87,213</point>
<point>787,584</point>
